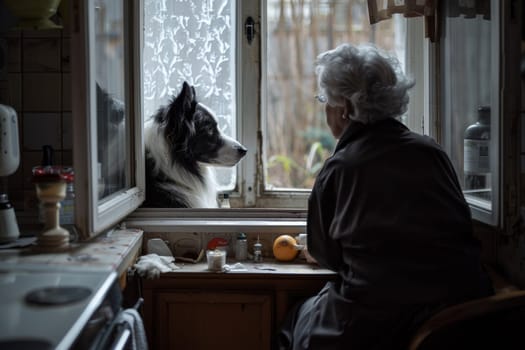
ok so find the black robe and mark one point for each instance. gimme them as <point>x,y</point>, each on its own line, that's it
<point>388,215</point>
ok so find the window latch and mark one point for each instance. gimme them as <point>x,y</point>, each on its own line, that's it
<point>249,29</point>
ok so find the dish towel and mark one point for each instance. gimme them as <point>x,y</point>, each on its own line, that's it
<point>151,265</point>
<point>138,334</point>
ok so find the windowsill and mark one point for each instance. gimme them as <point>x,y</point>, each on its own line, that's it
<point>219,220</point>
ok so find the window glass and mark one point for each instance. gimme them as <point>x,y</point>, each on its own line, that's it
<point>296,138</point>
<point>192,41</point>
<point>468,100</point>
<point>110,96</point>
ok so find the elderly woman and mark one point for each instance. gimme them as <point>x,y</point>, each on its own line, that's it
<point>386,213</point>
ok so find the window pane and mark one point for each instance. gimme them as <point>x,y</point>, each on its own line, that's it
<point>192,41</point>
<point>467,97</point>
<point>297,140</point>
<point>110,96</point>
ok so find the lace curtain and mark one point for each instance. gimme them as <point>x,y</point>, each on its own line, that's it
<point>379,10</point>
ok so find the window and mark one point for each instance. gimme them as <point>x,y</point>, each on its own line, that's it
<point>470,104</point>
<point>479,53</point>
<point>192,41</point>
<point>262,91</point>
<point>108,155</point>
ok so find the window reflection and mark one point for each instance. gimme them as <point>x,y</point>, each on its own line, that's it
<point>110,96</point>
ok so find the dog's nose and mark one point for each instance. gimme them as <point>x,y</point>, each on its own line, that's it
<point>241,150</point>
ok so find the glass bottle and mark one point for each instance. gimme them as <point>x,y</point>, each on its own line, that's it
<point>476,161</point>
<point>241,247</point>
<point>67,207</point>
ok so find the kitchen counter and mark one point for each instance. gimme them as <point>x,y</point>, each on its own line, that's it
<point>77,290</point>
<point>268,266</point>
<point>115,250</point>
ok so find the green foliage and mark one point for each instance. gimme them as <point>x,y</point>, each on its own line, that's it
<point>302,175</point>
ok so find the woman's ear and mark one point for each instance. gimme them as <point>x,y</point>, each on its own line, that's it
<point>348,109</point>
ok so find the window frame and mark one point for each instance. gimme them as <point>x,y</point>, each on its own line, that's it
<point>479,213</point>
<point>91,215</point>
<point>251,87</point>
<point>505,215</point>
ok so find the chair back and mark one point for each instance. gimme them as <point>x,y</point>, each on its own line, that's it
<point>495,322</point>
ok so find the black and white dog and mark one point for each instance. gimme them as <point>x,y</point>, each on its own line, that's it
<point>182,141</point>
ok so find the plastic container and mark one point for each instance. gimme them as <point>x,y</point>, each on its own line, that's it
<point>159,247</point>
<point>241,247</point>
<point>257,252</point>
<point>8,225</point>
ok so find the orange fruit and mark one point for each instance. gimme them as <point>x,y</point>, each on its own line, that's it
<point>284,248</point>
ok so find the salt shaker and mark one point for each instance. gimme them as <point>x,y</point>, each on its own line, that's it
<point>241,247</point>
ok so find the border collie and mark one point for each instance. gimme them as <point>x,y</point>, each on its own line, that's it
<point>182,143</point>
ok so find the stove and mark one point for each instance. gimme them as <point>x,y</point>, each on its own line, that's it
<point>61,309</point>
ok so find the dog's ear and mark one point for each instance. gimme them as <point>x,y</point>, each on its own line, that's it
<point>178,120</point>
<point>185,101</point>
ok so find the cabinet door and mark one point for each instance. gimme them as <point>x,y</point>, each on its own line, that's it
<point>193,320</point>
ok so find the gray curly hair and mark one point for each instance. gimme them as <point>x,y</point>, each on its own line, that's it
<point>369,78</point>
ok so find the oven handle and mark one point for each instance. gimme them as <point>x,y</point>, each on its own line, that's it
<point>122,331</point>
<point>122,338</point>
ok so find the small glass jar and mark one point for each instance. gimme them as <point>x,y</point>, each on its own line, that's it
<point>216,259</point>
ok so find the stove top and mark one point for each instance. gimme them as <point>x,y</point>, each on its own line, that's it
<point>48,309</point>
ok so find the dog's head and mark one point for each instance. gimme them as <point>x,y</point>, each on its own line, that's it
<point>192,133</point>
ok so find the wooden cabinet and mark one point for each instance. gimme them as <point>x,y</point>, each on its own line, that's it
<point>219,320</point>
<point>201,310</point>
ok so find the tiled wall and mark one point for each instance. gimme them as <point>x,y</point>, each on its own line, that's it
<point>35,80</point>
